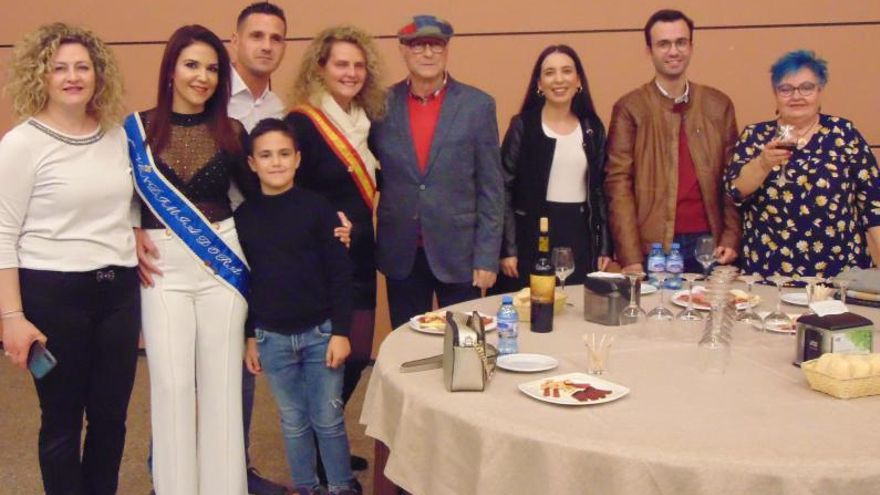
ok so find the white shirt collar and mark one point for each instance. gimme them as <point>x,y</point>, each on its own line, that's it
<point>681,99</point>
<point>238,85</point>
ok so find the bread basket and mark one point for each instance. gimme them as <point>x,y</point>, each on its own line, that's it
<point>842,388</point>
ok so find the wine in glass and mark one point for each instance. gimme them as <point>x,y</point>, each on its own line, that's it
<point>786,140</point>
<point>633,313</point>
<point>749,316</point>
<point>661,312</point>
<point>704,252</point>
<point>690,313</point>
<point>777,320</point>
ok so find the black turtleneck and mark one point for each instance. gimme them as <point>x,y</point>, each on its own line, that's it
<point>301,274</point>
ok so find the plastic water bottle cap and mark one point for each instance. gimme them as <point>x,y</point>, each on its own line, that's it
<point>506,299</point>
<point>656,245</point>
<point>676,245</point>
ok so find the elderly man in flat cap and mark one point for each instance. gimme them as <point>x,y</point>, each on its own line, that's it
<point>441,205</point>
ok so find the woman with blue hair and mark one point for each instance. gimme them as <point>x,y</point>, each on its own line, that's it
<point>812,208</point>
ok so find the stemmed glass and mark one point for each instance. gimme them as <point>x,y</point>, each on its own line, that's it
<point>633,313</point>
<point>563,261</point>
<point>749,316</point>
<point>787,141</point>
<point>811,290</point>
<point>704,252</point>
<point>777,320</point>
<point>690,313</point>
<point>842,280</point>
<point>661,312</point>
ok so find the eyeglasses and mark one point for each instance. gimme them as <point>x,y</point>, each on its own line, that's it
<point>666,45</point>
<point>435,46</point>
<point>805,89</point>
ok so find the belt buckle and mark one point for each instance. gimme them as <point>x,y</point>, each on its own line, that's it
<point>108,275</point>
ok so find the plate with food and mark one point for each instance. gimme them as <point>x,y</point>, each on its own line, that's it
<point>526,363</point>
<point>434,322</point>
<point>680,298</point>
<point>788,329</point>
<point>573,389</point>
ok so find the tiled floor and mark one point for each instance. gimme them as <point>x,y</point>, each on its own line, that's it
<point>20,419</point>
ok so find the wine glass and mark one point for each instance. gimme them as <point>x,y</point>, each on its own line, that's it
<point>661,312</point>
<point>842,280</point>
<point>811,290</point>
<point>787,140</point>
<point>563,261</point>
<point>778,320</point>
<point>704,252</point>
<point>749,316</point>
<point>633,313</point>
<point>690,313</point>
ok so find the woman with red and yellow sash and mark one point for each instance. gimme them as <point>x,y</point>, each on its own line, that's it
<point>337,92</point>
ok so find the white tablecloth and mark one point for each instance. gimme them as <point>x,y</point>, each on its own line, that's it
<point>757,429</point>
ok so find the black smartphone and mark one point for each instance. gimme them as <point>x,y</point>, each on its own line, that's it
<point>40,360</point>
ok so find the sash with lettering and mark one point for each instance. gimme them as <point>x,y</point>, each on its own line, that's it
<point>346,153</point>
<point>179,215</point>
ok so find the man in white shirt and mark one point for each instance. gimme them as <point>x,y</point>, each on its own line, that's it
<point>257,47</point>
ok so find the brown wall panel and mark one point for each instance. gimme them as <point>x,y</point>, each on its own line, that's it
<point>500,40</point>
<point>154,20</point>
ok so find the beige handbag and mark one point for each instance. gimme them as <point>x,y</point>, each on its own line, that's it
<point>468,361</point>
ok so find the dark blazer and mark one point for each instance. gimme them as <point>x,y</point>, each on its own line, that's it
<point>527,154</point>
<point>458,203</point>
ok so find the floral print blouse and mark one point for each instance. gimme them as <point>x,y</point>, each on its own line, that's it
<point>816,223</point>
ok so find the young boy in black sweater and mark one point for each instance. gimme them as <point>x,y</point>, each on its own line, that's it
<point>299,308</point>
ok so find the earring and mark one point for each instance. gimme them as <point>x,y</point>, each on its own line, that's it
<point>539,93</point>
<point>580,89</point>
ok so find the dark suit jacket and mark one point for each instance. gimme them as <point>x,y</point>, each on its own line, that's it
<point>458,202</point>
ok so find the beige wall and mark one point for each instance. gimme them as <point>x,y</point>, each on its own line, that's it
<point>498,40</point>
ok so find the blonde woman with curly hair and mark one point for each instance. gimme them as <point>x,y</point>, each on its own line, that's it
<point>338,91</point>
<point>68,280</point>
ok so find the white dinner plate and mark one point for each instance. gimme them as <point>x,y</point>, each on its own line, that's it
<point>679,298</point>
<point>648,289</point>
<point>534,389</point>
<point>527,363</point>
<point>418,327</point>
<point>796,298</point>
<point>793,329</point>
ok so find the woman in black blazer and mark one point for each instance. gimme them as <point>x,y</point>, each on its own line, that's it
<point>554,156</point>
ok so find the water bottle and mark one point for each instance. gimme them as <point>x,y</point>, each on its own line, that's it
<point>674,267</point>
<point>656,263</point>
<point>508,320</point>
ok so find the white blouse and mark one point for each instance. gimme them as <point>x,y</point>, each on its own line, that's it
<point>568,171</point>
<point>65,201</point>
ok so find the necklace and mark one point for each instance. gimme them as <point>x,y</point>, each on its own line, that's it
<point>804,137</point>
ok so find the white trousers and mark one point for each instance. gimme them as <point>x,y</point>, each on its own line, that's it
<point>194,332</point>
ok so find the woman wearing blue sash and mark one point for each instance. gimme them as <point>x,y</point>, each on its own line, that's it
<point>185,152</point>
<point>67,254</point>
<point>337,92</point>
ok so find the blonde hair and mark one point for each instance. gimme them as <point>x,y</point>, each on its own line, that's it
<point>31,62</point>
<point>309,83</point>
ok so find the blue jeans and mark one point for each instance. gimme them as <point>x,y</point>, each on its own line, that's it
<point>309,397</point>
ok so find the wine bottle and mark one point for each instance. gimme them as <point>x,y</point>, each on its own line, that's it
<point>542,283</point>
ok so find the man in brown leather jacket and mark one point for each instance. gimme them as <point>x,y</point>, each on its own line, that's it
<point>668,144</point>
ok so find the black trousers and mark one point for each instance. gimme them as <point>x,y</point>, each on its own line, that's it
<point>414,294</point>
<point>92,321</point>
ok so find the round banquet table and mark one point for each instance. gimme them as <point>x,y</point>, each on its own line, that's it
<point>756,429</point>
